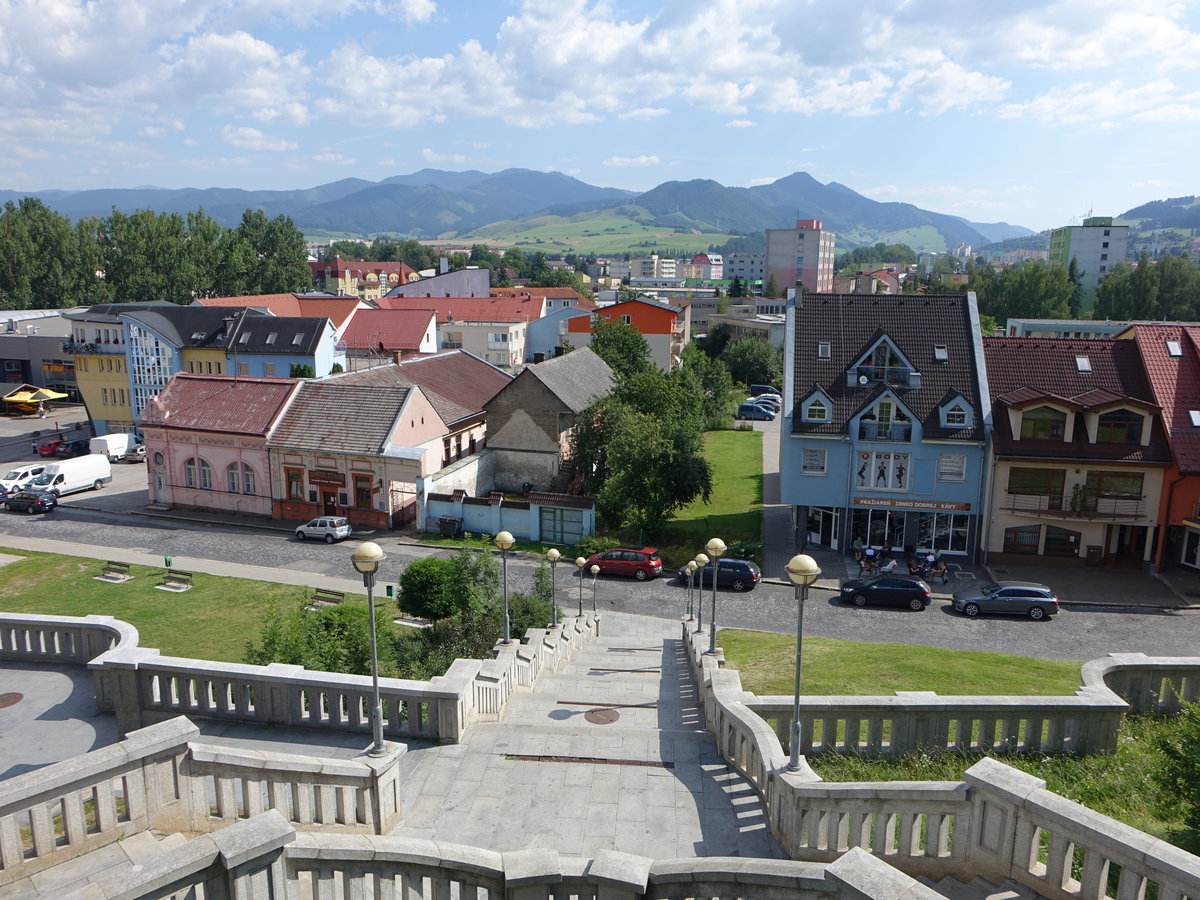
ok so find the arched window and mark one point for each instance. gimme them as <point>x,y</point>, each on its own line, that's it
<point>248,480</point>
<point>1121,426</point>
<point>205,475</point>
<point>1043,424</point>
<point>233,477</point>
<point>189,472</point>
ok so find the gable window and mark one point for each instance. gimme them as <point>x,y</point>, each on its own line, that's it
<point>952,467</point>
<point>817,412</point>
<point>884,422</point>
<point>824,350</point>
<point>1043,424</point>
<point>627,319</point>
<point>884,364</point>
<point>1121,426</point>
<point>956,416</point>
<point>882,471</point>
<point>813,462</point>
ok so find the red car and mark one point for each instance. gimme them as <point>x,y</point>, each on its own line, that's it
<point>640,562</point>
<point>49,447</point>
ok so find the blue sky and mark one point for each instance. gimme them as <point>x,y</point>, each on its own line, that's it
<point>1027,112</point>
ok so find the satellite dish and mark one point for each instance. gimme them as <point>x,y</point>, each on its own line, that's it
<point>863,379</point>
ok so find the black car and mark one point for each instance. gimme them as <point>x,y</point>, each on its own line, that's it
<point>887,590</point>
<point>69,449</point>
<point>31,501</point>
<point>738,574</point>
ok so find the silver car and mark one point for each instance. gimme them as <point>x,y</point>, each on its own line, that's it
<point>1017,598</point>
<point>326,528</point>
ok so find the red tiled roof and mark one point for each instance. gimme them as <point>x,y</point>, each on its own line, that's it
<point>472,309</point>
<point>387,329</point>
<point>551,293</point>
<point>222,403</point>
<point>1175,381</point>
<point>337,309</point>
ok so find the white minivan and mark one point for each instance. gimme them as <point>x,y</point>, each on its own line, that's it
<point>21,475</point>
<point>115,446</point>
<point>70,475</point>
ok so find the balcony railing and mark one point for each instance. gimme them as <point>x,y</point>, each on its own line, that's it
<point>1081,507</point>
<point>900,376</point>
<point>885,431</point>
<point>451,345</point>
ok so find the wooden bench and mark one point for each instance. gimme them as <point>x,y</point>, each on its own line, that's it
<point>174,580</point>
<point>323,595</point>
<point>116,572</point>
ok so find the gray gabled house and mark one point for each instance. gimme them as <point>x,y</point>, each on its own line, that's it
<point>531,419</point>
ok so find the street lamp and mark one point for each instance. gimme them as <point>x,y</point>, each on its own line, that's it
<point>690,568</point>
<point>701,561</point>
<point>505,540</point>
<point>716,547</point>
<point>552,557</point>
<point>802,570</point>
<point>580,562</point>
<point>367,558</point>
<point>595,571</point>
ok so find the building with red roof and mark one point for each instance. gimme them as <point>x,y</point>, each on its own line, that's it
<point>338,310</point>
<point>367,280</point>
<point>492,328</point>
<point>378,335</point>
<point>665,327</point>
<point>1079,450</point>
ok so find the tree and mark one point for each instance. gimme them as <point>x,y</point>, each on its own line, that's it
<point>622,346</point>
<point>1034,290</point>
<point>1078,295</point>
<point>1180,774</point>
<point>752,360</point>
<point>714,343</point>
<point>735,288</point>
<point>325,639</point>
<point>715,386</point>
<point>772,289</point>
<point>424,589</point>
<point>561,277</point>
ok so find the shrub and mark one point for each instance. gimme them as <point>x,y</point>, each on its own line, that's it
<point>745,550</point>
<point>1180,774</point>
<point>590,545</point>
<point>424,588</point>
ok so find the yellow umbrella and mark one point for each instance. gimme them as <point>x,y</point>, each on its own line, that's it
<point>45,394</point>
<point>19,397</point>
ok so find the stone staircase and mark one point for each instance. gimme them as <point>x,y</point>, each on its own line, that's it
<point>979,889</point>
<point>109,863</point>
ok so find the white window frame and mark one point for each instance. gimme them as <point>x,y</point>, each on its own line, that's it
<point>824,350</point>
<point>952,467</point>
<point>960,410</point>
<point>814,461</point>
<point>808,411</point>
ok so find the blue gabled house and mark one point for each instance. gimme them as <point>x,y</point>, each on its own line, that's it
<point>885,425</point>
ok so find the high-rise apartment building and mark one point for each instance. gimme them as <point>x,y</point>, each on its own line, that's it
<point>1096,246</point>
<point>801,255</point>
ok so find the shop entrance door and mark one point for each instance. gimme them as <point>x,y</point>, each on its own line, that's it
<point>329,502</point>
<point>823,526</point>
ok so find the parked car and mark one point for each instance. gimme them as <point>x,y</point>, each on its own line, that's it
<point>325,528</point>
<point>738,574</point>
<point>887,590</point>
<point>768,401</point>
<point>21,475</point>
<point>757,390</point>
<point>31,501</point>
<point>1017,598</point>
<point>92,470</point>
<point>750,410</point>
<point>136,454</point>
<point>640,562</point>
<point>71,449</point>
<point>49,447</point>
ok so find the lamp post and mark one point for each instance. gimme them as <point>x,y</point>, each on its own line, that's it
<point>690,568</point>
<point>505,540</point>
<point>580,562</point>
<point>552,557</point>
<point>367,558</point>
<point>701,561</point>
<point>595,571</point>
<point>716,547</point>
<point>802,570</point>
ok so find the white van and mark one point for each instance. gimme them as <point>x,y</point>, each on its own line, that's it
<point>70,475</point>
<point>115,446</point>
<point>21,475</point>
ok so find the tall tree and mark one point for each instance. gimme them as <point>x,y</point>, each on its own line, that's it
<point>622,346</point>
<point>1034,290</point>
<point>752,360</point>
<point>1078,294</point>
<point>735,287</point>
<point>714,384</point>
<point>772,288</point>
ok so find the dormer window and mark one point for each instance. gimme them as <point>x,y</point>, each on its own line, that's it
<point>816,411</point>
<point>956,416</point>
<point>1121,426</point>
<point>1043,424</point>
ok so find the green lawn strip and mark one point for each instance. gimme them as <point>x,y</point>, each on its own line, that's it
<point>1121,785</point>
<point>213,620</point>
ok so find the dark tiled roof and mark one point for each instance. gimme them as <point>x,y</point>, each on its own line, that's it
<point>298,335</point>
<point>223,403</point>
<point>852,323</point>
<point>111,312</point>
<point>1023,370</point>
<point>545,498</point>
<point>1175,381</point>
<point>339,418</point>
<point>578,379</point>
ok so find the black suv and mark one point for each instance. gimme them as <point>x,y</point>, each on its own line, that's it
<point>739,574</point>
<point>31,501</point>
<point>69,449</point>
<point>887,590</point>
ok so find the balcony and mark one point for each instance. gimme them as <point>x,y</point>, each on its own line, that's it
<point>885,431</point>
<point>897,376</point>
<point>1082,507</point>
<point>451,345</point>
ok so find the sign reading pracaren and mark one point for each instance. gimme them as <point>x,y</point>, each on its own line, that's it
<point>896,503</point>
<point>326,476</point>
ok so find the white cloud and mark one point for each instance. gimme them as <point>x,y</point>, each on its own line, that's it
<point>253,139</point>
<point>740,123</point>
<point>1151,182</point>
<point>1089,102</point>
<point>632,161</point>
<point>337,159</point>
<point>644,113</point>
<point>434,156</point>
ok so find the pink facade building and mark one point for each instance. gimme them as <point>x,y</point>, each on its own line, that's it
<point>801,256</point>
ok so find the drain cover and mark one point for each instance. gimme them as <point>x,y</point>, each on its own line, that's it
<point>10,699</point>
<point>602,716</point>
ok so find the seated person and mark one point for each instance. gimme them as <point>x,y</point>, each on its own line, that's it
<point>890,566</point>
<point>939,569</point>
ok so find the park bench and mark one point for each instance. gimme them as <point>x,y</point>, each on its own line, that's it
<point>115,572</point>
<point>174,580</point>
<point>324,595</point>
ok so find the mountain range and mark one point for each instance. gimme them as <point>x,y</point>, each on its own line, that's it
<point>459,206</point>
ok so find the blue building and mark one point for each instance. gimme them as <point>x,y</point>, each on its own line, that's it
<point>544,337</point>
<point>885,429</point>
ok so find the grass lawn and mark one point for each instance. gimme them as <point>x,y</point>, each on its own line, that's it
<point>211,621</point>
<point>836,667</point>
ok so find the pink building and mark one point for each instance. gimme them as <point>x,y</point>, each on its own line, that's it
<point>206,441</point>
<point>802,255</point>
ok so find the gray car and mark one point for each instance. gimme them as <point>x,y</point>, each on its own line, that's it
<point>1017,598</point>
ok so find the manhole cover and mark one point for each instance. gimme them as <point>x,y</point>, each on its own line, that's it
<point>602,716</point>
<point>10,699</point>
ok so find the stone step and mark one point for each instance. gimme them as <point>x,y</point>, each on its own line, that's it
<point>127,854</point>
<point>979,889</point>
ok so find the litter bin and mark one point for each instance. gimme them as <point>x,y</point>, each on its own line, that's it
<point>1095,553</point>
<point>451,526</point>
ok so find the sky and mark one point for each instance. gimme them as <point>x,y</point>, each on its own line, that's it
<point>1034,113</point>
